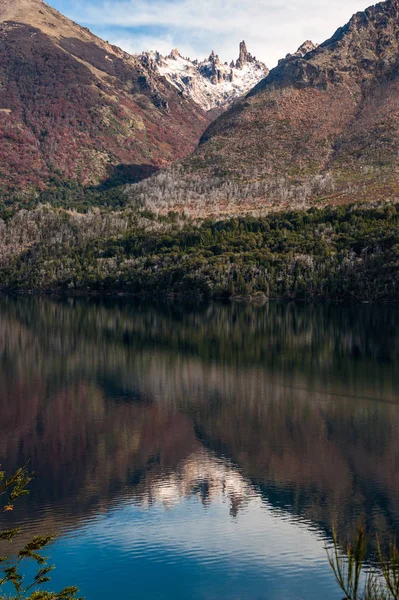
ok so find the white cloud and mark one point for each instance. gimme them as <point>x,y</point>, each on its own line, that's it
<point>139,42</point>
<point>271,28</point>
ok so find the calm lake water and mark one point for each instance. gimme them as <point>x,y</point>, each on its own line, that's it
<point>200,452</point>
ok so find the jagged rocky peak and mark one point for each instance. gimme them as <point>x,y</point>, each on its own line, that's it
<point>245,57</point>
<point>367,47</point>
<point>305,48</point>
<point>210,83</point>
<point>326,114</point>
<point>302,51</point>
<point>214,58</point>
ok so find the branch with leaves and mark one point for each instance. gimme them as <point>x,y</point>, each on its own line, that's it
<point>11,567</point>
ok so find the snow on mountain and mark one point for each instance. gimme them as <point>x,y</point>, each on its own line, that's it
<point>210,83</point>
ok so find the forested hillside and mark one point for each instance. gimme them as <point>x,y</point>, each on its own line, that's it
<point>346,253</point>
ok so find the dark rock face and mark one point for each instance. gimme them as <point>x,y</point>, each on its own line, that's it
<point>244,57</point>
<point>73,107</point>
<point>328,112</point>
<point>302,51</point>
<point>213,71</point>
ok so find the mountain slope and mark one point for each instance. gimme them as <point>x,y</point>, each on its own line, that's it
<point>323,126</point>
<point>213,85</point>
<point>73,107</point>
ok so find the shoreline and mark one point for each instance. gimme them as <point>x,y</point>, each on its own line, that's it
<point>251,299</point>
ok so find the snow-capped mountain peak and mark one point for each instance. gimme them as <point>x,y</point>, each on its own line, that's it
<point>211,83</point>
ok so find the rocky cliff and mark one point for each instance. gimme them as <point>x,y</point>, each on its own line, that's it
<point>211,83</point>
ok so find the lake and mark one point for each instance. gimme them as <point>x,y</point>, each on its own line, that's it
<point>200,452</point>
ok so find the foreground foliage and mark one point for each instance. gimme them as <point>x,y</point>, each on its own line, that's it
<point>342,253</point>
<point>11,574</point>
<point>356,579</point>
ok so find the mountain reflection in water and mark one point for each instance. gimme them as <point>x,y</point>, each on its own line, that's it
<point>205,449</point>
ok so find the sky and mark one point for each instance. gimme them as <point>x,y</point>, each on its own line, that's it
<point>271,28</point>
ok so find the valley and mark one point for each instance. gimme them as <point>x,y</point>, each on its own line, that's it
<point>291,192</point>
<point>199,284</point>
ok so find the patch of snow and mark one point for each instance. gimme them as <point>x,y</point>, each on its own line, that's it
<point>210,83</point>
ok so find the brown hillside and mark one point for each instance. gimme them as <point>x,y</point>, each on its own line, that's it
<point>74,107</point>
<point>321,127</point>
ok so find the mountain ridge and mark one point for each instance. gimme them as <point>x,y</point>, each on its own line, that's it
<point>322,127</point>
<point>76,108</point>
<point>212,84</point>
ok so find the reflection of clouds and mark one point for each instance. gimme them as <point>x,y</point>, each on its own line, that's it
<point>168,531</point>
<point>114,401</point>
<point>258,531</point>
<point>173,521</point>
<point>200,475</point>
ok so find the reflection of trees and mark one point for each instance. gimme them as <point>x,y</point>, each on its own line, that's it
<point>84,449</point>
<point>115,399</point>
<point>318,456</point>
<point>88,451</point>
<point>315,340</point>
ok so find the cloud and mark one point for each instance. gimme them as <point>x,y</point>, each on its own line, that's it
<point>271,28</point>
<point>139,42</point>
